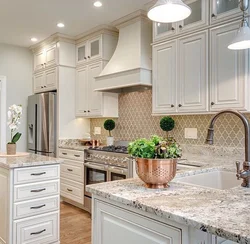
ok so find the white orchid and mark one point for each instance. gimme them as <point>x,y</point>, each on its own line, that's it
<point>14,116</point>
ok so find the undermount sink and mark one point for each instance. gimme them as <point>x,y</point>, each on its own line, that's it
<point>221,180</point>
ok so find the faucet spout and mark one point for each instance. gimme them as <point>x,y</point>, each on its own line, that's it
<point>244,120</point>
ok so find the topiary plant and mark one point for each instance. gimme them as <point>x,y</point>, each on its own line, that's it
<point>109,125</point>
<point>167,124</point>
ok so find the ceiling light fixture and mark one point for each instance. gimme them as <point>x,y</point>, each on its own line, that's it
<point>242,39</point>
<point>168,11</point>
<point>98,4</point>
<point>33,39</point>
<point>60,25</point>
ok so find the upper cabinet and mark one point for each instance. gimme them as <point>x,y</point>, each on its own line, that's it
<point>100,47</point>
<point>197,20</point>
<point>221,10</point>
<point>229,71</point>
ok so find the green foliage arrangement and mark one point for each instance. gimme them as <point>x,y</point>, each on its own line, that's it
<point>167,124</point>
<point>109,125</point>
<point>15,138</point>
<point>155,148</point>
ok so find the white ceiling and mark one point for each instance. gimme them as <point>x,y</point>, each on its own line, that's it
<point>22,19</point>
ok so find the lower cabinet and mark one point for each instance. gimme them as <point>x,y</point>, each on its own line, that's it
<point>114,224</point>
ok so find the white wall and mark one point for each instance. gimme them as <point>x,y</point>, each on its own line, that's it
<point>16,64</point>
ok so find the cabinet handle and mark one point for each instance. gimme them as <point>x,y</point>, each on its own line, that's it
<point>213,15</point>
<point>172,28</point>
<point>88,56</point>
<point>45,86</point>
<point>70,170</point>
<point>88,111</point>
<point>42,206</point>
<point>38,174</point>
<point>180,26</point>
<point>180,105</point>
<point>65,153</point>
<point>172,105</point>
<point>42,65</point>
<point>85,111</point>
<point>212,103</point>
<point>69,190</point>
<point>85,58</point>
<point>78,156</point>
<point>41,86</point>
<point>37,233</point>
<point>40,190</point>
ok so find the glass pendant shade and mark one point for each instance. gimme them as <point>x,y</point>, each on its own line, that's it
<point>242,39</point>
<point>168,11</point>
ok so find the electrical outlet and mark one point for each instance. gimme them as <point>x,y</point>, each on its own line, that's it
<point>97,130</point>
<point>191,133</point>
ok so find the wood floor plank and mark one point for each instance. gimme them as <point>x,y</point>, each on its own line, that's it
<point>75,225</point>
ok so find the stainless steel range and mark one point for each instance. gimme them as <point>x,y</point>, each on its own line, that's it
<point>104,164</point>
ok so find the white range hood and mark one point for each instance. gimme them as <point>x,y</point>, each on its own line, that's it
<point>130,68</point>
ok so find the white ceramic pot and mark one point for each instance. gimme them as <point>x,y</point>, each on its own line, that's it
<point>110,141</point>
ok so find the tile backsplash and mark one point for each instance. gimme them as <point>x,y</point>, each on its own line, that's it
<point>135,121</point>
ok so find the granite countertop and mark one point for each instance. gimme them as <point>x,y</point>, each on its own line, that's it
<point>220,212</point>
<point>27,161</point>
<point>72,144</point>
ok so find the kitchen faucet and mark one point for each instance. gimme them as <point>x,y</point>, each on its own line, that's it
<point>245,172</point>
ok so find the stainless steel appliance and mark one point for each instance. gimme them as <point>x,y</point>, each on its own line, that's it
<point>105,164</point>
<point>42,124</point>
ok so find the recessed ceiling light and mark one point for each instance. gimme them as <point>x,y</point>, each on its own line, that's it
<point>98,4</point>
<point>33,39</point>
<point>60,25</point>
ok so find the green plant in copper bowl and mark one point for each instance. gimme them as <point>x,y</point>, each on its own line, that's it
<point>156,160</point>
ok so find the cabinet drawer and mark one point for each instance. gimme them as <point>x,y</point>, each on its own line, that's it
<point>72,190</point>
<point>42,229</point>
<point>71,154</point>
<point>35,174</point>
<point>72,170</point>
<point>36,190</point>
<point>36,207</point>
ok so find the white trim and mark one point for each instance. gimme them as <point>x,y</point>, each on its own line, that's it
<point>3,119</point>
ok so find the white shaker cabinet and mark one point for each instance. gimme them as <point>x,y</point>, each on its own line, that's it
<point>164,77</point>
<point>229,71</point>
<point>193,73</point>
<point>164,30</point>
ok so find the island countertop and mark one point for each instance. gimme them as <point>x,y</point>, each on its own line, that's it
<point>224,213</point>
<point>27,161</point>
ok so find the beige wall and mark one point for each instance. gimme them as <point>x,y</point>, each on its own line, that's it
<point>135,121</point>
<point>16,64</point>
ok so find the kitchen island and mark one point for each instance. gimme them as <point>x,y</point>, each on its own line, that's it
<point>29,199</point>
<point>127,212</point>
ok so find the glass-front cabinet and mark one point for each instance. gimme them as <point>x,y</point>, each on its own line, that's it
<point>163,30</point>
<point>222,10</point>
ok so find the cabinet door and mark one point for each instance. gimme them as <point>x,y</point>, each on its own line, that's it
<point>50,56</point>
<point>198,17</point>
<point>82,91</point>
<point>114,225</point>
<point>164,30</point>
<point>81,53</point>
<point>193,73</point>
<point>50,79</point>
<point>38,82</point>
<point>95,98</point>
<point>39,60</point>
<point>164,78</point>
<point>229,71</point>
<point>222,10</point>
<point>95,48</point>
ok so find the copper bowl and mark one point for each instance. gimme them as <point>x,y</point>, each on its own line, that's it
<point>156,173</point>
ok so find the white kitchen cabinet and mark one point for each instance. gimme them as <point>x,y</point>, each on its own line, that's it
<point>229,71</point>
<point>221,10</point>
<point>45,80</point>
<point>180,75</point>
<point>90,103</point>
<point>50,54</point>
<point>197,20</point>
<point>29,200</point>
<point>192,86</point>
<point>164,77</point>
<point>98,47</point>
<point>39,60</point>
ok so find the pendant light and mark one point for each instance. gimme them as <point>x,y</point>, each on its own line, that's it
<point>242,39</point>
<point>168,11</point>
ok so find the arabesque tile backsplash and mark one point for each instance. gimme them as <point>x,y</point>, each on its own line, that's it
<point>135,121</point>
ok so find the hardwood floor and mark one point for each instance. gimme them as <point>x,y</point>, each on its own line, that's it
<point>75,225</point>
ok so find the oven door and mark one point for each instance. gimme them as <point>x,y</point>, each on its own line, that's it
<point>116,173</point>
<point>94,174</point>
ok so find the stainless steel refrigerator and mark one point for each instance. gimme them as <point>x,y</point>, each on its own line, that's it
<point>42,119</point>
